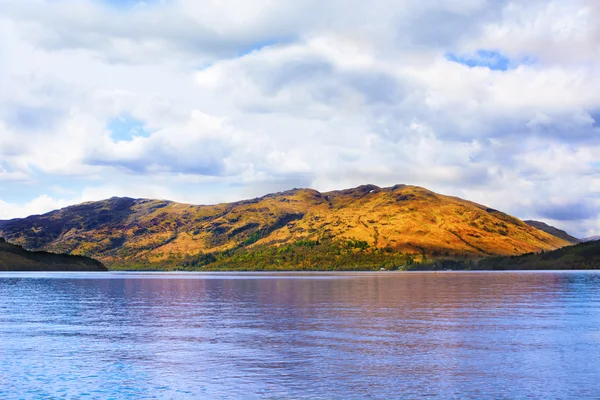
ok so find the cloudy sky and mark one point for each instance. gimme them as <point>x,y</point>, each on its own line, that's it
<point>206,101</point>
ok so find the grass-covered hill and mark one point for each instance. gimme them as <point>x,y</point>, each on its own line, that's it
<point>15,258</point>
<point>580,256</point>
<point>364,223</point>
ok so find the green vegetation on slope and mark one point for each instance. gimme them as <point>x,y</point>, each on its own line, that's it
<point>303,255</point>
<point>15,258</point>
<point>580,256</point>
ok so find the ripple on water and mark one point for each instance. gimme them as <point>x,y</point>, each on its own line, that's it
<point>459,335</point>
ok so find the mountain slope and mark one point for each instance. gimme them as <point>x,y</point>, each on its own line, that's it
<point>580,256</point>
<point>15,258</point>
<point>553,231</point>
<point>408,219</point>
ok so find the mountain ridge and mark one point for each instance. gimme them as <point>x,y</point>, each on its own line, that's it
<point>553,231</point>
<point>399,219</point>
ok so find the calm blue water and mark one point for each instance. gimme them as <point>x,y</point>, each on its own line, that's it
<point>378,335</point>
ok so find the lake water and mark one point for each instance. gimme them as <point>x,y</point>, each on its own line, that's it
<point>362,335</point>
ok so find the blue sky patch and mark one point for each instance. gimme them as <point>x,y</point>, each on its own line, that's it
<point>125,128</point>
<point>596,117</point>
<point>125,4</point>
<point>261,44</point>
<point>492,59</point>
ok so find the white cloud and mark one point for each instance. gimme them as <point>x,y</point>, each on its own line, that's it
<point>238,98</point>
<point>556,32</point>
<point>39,205</point>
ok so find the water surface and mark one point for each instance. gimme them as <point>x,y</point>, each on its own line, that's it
<point>361,335</point>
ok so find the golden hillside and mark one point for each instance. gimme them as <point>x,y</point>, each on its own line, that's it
<point>406,219</point>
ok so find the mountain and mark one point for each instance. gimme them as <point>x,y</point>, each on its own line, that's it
<point>553,231</point>
<point>359,223</point>
<point>580,256</point>
<point>15,258</point>
<point>590,239</point>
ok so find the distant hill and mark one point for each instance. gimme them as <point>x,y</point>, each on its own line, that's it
<point>580,256</point>
<point>362,222</point>
<point>590,239</point>
<point>553,231</point>
<point>15,258</point>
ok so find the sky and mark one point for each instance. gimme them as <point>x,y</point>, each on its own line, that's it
<point>206,101</point>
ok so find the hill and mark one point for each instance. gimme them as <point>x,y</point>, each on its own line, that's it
<point>553,231</point>
<point>366,222</point>
<point>15,258</point>
<point>590,239</point>
<point>581,256</point>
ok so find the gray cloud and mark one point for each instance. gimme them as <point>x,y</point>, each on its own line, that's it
<point>447,24</point>
<point>568,212</point>
<point>31,118</point>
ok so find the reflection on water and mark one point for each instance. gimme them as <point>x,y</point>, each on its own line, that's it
<point>383,335</point>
